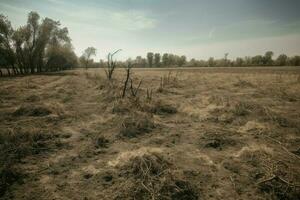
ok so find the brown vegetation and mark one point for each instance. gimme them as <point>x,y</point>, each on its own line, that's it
<point>185,134</point>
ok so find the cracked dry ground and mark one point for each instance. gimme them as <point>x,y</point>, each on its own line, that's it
<point>234,133</point>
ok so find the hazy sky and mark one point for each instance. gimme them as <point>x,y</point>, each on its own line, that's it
<point>196,28</point>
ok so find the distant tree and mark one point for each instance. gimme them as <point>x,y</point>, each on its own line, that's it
<point>171,59</point>
<point>202,63</point>
<point>181,61</point>
<point>157,59</point>
<point>294,61</point>
<point>239,62</point>
<point>267,59</point>
<point>138,60</point>
<point>282,60</point>
<point>257,60</point>
<point>226,62</point>
<point>211,62</point>
<point>165,59</point>
<point>143,62</point>
<point>150,58</point>
<point>86,56</point>
<point>193,62</point>
<point>102,63</point>
<point>247,61</point>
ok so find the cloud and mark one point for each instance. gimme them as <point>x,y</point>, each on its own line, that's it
<point>125,20</point>
<point>132,20</point>
<point>8,7</point>
<point>56,1</point>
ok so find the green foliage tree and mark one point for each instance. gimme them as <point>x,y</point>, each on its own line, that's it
<point>143,62</point>
<point>34,39</point>
<point>157,59</point>
<point>294,61</point>
<point>226,61</point>
<point>282,60</point>
<point>181,61</point>
<point>29,48</point>
<point>267,59</point>
<point>7,56</point>
<point>60,58</point>
<point>171,59</point>
<point>150,58</point>
<point>165,59</point>
<point>138,60</point>
<point>257,60</point>
<point>211,62</point>
<point>239,62</point>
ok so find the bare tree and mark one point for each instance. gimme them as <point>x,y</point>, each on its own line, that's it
<point>111,64</point>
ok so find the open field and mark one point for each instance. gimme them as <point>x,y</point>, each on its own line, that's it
<point>207,133</point>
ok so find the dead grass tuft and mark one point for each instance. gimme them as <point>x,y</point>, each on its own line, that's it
<point>152,177</point>
<point>161,108</point>
<point>17,144</point>
<point>242,109</point>
<point>243,84</point>
<point>101,142</point>
<point>33,98</point>
<point>32,110</point>
<point>218,141</point>
<point>137,124</point>
<point>147,165</point>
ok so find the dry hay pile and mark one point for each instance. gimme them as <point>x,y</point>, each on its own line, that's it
<point>136,124</point>
<point>152,176</point>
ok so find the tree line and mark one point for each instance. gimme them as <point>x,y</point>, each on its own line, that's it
<point>40,45</point>
<point>171,60</point>
<point>259,60</point>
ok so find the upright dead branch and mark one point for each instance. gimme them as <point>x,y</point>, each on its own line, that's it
<point>133,90</point>
<point>149,94</point>
<point>111,64</point>
<point>128,68</point>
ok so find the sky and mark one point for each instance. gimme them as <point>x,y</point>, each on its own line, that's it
<point>196,28</point>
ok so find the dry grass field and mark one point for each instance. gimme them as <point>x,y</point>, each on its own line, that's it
<point>219,133</point>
